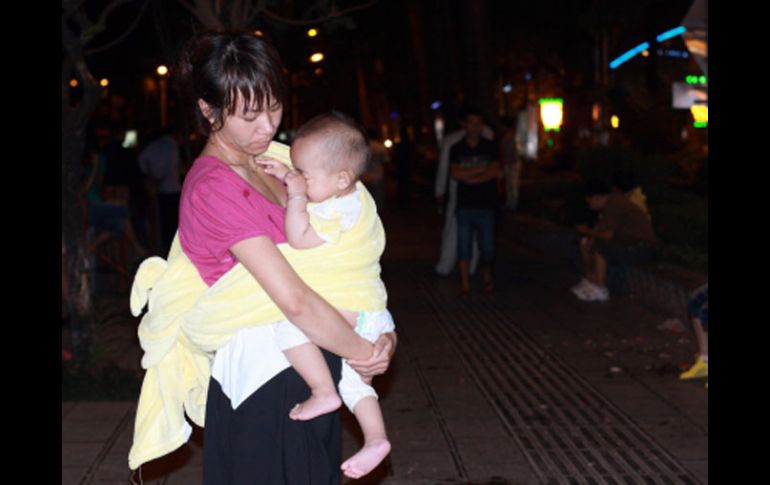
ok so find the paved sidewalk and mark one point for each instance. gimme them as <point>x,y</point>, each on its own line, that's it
<point>525,386</point>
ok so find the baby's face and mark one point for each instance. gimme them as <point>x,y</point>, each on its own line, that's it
<point>308,159</point>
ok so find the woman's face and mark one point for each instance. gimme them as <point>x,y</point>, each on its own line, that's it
<point>251,131</point>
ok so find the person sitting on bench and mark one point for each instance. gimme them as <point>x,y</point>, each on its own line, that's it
<point>623,236</point>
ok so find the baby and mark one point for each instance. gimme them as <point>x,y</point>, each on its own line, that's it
<point>329,155</point>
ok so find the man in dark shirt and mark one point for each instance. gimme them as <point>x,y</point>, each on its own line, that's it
<point>623,235</point>
<point>475,165</point>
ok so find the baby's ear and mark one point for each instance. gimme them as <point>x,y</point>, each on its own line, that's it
<point>344,179</point>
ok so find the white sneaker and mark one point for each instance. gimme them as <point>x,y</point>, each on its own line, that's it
<point>594,293</point>
<point>578,288</point>
<point>602,294</point>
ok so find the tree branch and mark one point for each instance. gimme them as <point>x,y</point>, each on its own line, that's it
<point>204,12</point>
<point>288,21</point>
<point>90,30</point>
<point>237,7</point>
<point>71,7</point>
<point>251,14</point>
<point>83,23</point>
<point>128,32</point>
<point>188,7</point>
<point>65,74</point>
<point>74,58</point>
<point>101,23</point>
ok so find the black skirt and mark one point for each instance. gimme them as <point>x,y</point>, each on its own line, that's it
<point>258,444</point>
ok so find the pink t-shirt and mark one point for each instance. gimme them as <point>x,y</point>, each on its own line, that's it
<point>218,209</point>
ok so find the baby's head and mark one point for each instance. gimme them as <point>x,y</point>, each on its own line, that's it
<point>332,152</point>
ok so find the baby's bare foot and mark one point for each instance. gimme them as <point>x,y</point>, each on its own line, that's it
<point>315,406</point>
<point>366,459</point>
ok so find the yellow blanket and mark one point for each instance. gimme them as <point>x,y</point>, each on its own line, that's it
<point>187,321</point>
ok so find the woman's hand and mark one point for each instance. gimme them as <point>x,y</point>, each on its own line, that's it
<point>378,363</point>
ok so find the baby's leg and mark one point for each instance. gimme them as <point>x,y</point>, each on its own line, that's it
<point>376,444</point>
<point>309,363</point>
<point>361,398</point>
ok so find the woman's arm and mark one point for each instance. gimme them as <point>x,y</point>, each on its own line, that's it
<point>322,324</point>
<point>378,363</point>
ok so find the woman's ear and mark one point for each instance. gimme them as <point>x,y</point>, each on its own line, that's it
<point>208,113</point>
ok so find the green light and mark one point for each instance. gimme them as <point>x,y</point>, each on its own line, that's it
<point>703,79</point>
<point>697,80</point>
<point>551,100</point>
<point>701,124</point>
<point>692,79</point>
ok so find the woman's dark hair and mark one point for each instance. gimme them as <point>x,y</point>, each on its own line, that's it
<point>220,67</point>
<point>624,180</point>
<point>595,187</point>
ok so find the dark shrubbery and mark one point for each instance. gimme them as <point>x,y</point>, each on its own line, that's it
<point>679,214</point>
<point>98,383</point>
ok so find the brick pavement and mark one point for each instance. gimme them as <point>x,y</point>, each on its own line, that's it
<point>526,386</point>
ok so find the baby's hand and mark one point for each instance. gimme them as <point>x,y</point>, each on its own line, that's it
<point>273,167</point>
<point>295,183</point>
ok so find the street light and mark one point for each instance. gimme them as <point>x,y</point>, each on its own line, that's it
<point>552,113</point>
<point>312,32</point>
<point>74,83</point>
<point>615,121</point>
<point>162,72</point>
<point>700,112</point>
<point>104,83</point>
<point>317,57</point>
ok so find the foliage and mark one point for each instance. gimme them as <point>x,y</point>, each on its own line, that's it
<point>680,216</point>
<point>96,382</point>
<point>99,378</point>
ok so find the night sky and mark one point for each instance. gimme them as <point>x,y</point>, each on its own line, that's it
<point>526,39</point>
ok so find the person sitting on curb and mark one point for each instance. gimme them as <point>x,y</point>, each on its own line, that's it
<point>622,236</point>
<point>698,311</point>
<point>623,182</point>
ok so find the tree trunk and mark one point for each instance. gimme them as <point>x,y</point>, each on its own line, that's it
<point>443,53</point>
<point>363,98</point>
<point>77,262</point>
<point>416,17</point>
<point>477,59</point>
<point>74,244</point>
<point>172,53</point>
